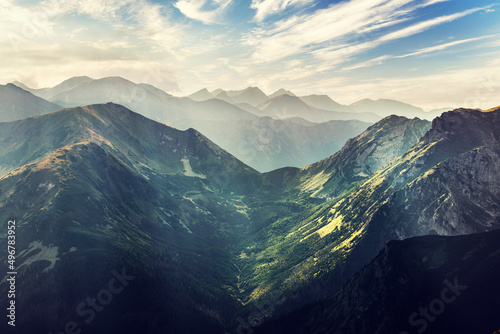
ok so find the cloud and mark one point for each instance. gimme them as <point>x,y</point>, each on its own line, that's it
<point>425,25</point>
<point>443,46</point>
<point>494,62</point>
<point>342,30</point>
<point>154,25</point>
<point>440,47</point>
<point>274,43</point>
<point>368,63</point>
<point>267,8</point>
<point>94,37</point>
<point>343,54</point>
<point>345,23</point>
<point>195,9</point>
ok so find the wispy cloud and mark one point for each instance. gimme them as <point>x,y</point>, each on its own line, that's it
<point>196,9</point>
<point>344,23</point>
<point>336,33</point>
<point>341,55</point>
<point>368,63</point>
<point>267,8</point>
<point>441,47</point>
<point>425,25</point>
<point>431,49</point>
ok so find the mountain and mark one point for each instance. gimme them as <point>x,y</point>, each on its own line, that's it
<point>281,91</point>
<point>49,93</point>
<point>201,95</point>
<point>270,147</point>
<point>100,193</point>
<point>144,99</point>
<point>286,106</point>
<point>23,86</point>
<point>216,92</point>
<point>362,156</point>
<point>224,97</point>
<point>448,183</point>
<point>17,103</point>
<point>385,107</point>
<point>251,95</point>
<point>266,143</point>
<point>110,89</point>
<point>430,283</point>
<point>324,102</point>
<point>112,125</point>
<point>201,242</point>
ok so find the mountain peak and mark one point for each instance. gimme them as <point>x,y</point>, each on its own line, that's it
<point>363,101</point>
<point>251,95</point>
<point>363,155</point>
<point>452,124</point>
<point>281,91</point>
<point>201,95</point>
<point>394,118</point>
<point>324,102</point>
<point>75,81</point>
<point>283,101</point>
<point>224,97</point>
<point>252,88</point>
<point>115,80</point>
<point>285,97</point>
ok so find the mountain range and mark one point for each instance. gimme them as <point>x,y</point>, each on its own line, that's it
<point>254,138</point>
<point>288,142</point>
<point>202,242</point>
<point>316,108</point>
<point>99,189</point>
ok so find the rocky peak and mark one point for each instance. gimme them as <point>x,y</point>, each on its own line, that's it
<point>452,125</point>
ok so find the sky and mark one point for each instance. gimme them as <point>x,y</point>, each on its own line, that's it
<point>430,53</point>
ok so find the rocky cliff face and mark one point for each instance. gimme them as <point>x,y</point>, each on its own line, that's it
<point>363,155</point>
<point>451,186</point>
<point>458,196</point>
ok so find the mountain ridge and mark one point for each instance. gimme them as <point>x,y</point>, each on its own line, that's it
<point>17,103</point>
